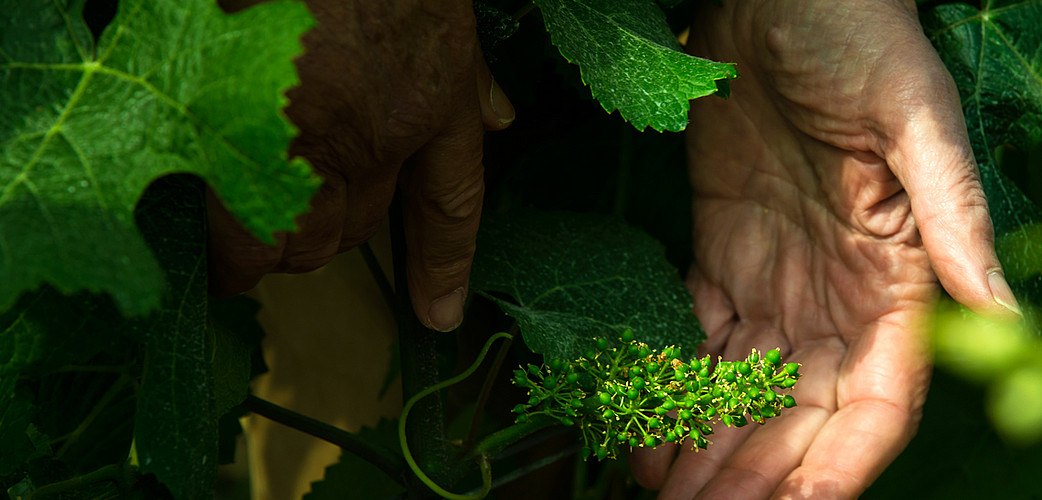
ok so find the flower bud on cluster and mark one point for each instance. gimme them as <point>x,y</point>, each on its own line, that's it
<point>628,395</point>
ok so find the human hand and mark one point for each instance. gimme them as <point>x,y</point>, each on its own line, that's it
<point>832,191</point>
<point>392,94</point>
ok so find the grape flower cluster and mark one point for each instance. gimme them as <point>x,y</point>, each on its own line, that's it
<point>630,395</point>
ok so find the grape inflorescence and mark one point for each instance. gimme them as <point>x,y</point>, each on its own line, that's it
<point>629,395</point>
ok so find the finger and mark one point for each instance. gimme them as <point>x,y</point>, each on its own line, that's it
<point>650,465</point>
<point>236,260</point>
<point>497,113</point>
<point>776,448</point>
<point>880,392</point>
<point>317,239</point>
<point>929,152</point>
<point>443,188</point>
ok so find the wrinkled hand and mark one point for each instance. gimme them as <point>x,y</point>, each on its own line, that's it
<point>832,191</point>
<point>393,93</point>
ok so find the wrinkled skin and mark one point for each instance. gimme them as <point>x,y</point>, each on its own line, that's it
<point>393,94</point>
<point>832,190</point>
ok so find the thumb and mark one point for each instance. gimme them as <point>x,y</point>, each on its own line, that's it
<point>443,188</point>
<point>929,152</point>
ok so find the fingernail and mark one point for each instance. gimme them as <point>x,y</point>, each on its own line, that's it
<point>446,313</point>
<point>1001,292</point>
<point>501,104</point>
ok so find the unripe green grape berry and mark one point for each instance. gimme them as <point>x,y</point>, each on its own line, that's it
<point>522,418</point>
<point>727,420</point>
<point>729,377</point>
<point>602,453</point>
<point>567,421</point>
<point>767,412</point>
<point>533,369</point>
<point>791,368</point>
<point>654,423</point>
<point>773,357</point>
<point>744,368</point>
<point>576,403</point>
<point>572,378</point>
<point>681,369</point>
<point>740,421</point>
<point>627,335</point>
<point>602,343</point>
<point>752,392</point>
<point>769,396</point>
<point>710,412</point>
<point>685,414</point>
<point>519,408</point>
<point>787,383</point>
<point>669,404</point>
<point>695,365</point>
<point>660,411</point>
<point>754,357</point>
<point>608,414</point>
<point>638,383</point>
<point>570,412</point>
<point>590,354</point>
<point>671,436</point>
<point>604,398</point>
<point>788,401</point>
<point>717,391</point>
<point>653,367</point>
<point>532,401</point>
<point>643,351</point>
<point>650,441</point>
<point>550,383</point>
<point>634,442</point>
<point>632,350</point>
<point>632,393</point>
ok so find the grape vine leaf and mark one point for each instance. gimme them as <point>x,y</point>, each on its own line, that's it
<point>175,424</point>
<point>357,477</point>
<point>995,57</point>
<point>574,277</point>
<point>631,60</point>
<point>171,87</point>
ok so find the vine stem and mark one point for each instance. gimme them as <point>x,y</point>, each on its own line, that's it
<point>486,389</point>
<point>110,472</point>
<point>382,458</point>
<point>483,463</point>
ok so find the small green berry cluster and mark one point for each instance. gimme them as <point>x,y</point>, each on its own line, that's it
<point>630,395</point>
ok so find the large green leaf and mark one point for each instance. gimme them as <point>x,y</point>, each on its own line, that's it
<point>172,87</point>
<point>631,60</point>
<point>574,277</point>
<point>175,427</point>
<point>995,57</point>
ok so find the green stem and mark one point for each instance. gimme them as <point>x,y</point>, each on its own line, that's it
<point>383,458</point>
<point>486,389</point>
<point>486,469</point>
<point>523,11</point>
<point>111,472</point>
<point>99,407</point>
<point>495,442</point>
<point>378,274</point>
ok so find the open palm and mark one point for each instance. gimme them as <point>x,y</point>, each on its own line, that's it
<point>828,189</point>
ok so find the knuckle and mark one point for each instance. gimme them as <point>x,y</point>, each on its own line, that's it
<point>458,202</point>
